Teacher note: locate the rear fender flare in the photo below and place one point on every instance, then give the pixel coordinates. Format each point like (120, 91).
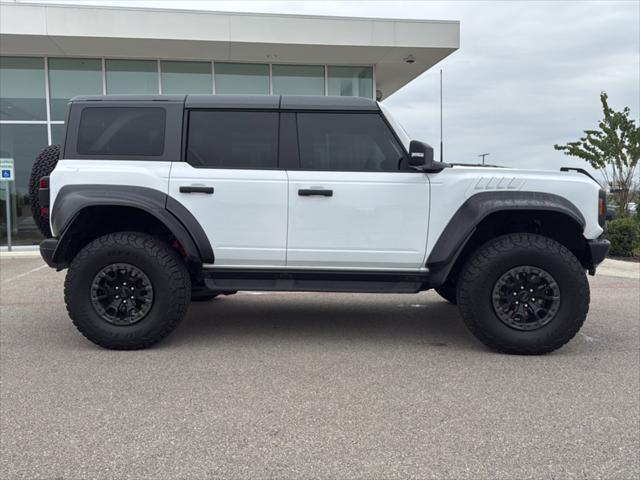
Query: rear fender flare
(72, 199)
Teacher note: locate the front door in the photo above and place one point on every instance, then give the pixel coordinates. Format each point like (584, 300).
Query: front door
(231, 185)
(353, 204)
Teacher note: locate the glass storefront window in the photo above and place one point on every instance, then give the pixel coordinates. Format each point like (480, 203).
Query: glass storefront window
(22, 143)
(22, 89)
(57, 133)
(242, 78)
(298, 79)
(132, 77)
(350, 81)
(186, 77)
(69, 77)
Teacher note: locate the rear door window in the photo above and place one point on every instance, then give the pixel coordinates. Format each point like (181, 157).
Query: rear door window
(233, 139)
(122, 131)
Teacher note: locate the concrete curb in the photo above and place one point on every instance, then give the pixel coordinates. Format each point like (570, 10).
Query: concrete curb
(619, 268)
(19, 253)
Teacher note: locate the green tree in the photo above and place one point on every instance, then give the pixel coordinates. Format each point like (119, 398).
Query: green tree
(614, 149)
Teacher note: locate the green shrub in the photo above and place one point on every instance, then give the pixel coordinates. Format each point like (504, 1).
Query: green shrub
(624, 234)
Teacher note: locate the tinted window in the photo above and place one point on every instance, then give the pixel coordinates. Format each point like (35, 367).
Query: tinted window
(121, 131)
(227, 139)
(347, 141)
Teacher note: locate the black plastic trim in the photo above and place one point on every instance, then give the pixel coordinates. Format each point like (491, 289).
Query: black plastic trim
(196, 189)
(314, 280)
(194, 228)
(463, 224)
(48, 249)
(598, 250)
(72, 199)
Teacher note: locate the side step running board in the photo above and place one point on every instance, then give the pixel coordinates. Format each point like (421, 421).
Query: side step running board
(314, 280)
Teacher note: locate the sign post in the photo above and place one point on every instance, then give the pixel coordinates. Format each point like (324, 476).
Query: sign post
(7, 175)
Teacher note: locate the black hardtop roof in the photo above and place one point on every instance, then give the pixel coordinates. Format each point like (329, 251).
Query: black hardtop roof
(261, 102)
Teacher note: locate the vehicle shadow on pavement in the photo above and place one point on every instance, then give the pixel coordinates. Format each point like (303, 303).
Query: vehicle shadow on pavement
(414, 320)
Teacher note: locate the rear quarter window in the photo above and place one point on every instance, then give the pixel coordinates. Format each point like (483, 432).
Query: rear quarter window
(122, 131)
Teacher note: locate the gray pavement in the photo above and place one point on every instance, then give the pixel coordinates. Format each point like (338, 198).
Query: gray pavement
(314, 386)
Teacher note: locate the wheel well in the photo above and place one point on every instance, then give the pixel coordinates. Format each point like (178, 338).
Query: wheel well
(558, 226)
(95, 221)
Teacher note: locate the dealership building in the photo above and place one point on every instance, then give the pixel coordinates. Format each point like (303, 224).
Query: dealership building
(50, 53)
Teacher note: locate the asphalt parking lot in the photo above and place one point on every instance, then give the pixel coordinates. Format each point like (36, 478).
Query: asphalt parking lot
(314, 386)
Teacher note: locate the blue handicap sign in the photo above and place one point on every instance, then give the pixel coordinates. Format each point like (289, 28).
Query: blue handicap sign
(6, 173)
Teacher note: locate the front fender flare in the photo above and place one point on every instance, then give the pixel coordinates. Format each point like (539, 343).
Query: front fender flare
(475, 209)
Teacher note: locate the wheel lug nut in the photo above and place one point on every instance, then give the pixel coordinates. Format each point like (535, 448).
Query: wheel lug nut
(531, 290)
(521, 287)
(117, 296)
(514, 294)
(117, 288)
(526, 305)
(132, 297)
(517, 302)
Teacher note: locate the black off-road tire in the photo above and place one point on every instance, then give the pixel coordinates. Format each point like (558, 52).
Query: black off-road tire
(43, 165)
(448, 291)
(158, 261)
(498, 256)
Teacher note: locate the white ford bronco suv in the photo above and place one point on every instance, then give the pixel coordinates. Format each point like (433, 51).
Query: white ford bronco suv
(154, 201)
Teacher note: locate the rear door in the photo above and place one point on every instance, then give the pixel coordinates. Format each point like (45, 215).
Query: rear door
(353, 202)
(231, 183)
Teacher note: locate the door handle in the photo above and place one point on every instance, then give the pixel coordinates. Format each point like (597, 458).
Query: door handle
(196, 189)
(308, 192)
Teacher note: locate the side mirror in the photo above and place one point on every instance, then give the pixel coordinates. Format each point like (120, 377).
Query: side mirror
(420, 154)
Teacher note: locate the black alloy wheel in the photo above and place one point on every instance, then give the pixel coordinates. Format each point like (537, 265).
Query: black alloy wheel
(121, 294)
(526, 298)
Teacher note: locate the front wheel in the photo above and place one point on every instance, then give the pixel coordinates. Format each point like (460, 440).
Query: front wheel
(448, 291)
(127, 290)
(523, 294)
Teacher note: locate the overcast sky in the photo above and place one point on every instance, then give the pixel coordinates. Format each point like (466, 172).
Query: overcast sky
(527, 74)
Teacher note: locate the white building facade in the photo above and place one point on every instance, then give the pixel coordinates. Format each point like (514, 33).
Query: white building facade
(50, 53)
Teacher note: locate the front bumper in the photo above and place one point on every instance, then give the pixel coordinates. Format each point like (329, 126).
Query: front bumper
(598, 249)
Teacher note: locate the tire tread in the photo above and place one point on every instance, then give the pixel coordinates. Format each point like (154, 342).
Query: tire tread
(168, 261)
(474, 271)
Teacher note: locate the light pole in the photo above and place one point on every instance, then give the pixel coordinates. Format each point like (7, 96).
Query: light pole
(483, 155)
(441, 151)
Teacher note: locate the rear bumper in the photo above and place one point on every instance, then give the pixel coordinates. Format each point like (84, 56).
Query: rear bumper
(598, 250)
(48, 249)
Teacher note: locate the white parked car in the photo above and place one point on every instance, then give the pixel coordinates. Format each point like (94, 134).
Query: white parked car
(154, 201)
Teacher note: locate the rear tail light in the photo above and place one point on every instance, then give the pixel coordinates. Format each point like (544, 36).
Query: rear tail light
(44, 212)
(44, 182)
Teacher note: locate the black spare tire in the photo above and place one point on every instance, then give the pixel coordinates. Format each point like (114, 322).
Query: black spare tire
(43, 165)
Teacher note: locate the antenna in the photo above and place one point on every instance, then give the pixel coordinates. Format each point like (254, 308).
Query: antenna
(441, 152)
(483, 155)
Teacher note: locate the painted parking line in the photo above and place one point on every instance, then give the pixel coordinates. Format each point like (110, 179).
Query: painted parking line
(11, 279)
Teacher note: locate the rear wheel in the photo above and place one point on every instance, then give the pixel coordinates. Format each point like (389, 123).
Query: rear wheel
(523, 294)
(43, 165)
(127, 290)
